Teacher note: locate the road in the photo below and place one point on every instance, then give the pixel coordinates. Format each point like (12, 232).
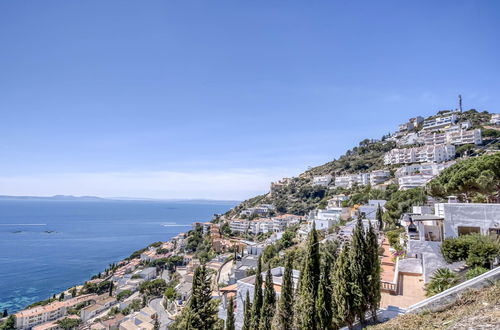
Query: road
(157, 305)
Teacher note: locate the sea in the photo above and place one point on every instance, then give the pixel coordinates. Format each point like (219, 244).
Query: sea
(47, 246)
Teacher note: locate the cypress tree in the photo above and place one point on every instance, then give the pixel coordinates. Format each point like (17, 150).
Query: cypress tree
(247, 313)
(373, 268)
(324, 300)
(230, 315)
(284, 314)
(308, 286)
(379, 218)
(5, 313)
(257, 298)
(269, 303)
(111, 289)
(360, 276)
(343, 300)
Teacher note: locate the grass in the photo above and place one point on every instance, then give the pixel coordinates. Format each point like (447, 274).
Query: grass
(474, 309)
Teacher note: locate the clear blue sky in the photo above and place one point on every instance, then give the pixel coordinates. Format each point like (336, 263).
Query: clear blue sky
(213, 99)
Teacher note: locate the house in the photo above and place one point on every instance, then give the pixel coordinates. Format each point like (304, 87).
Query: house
(248, 284)
(325, 219)
(369, 211)
(242, 267)
(102, 303)
(495, 119)
(414, 181)
(380, 176)
(337, 200)
(53, 325)
(440, 121)
(282, 221)
(322, 180)
(148, 273)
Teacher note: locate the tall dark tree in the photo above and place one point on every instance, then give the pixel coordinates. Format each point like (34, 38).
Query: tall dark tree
(308, 286)
(283, 319)
(268, 303)
(257, 298)
(201, 312)
(324, 306)
(373, 268)
(10, 323)
(343, 299)
(378, 216)
(5, 313)
(247, 313)
(230, 315)
(111, 285)
(360, 289)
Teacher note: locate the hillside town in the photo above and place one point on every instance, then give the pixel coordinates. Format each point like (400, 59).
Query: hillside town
(400, 197)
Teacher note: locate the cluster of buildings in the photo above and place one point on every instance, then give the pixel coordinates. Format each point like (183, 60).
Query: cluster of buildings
(264, 225)
(373, 178)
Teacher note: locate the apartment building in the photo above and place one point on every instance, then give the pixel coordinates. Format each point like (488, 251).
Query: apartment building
(282, 221)
(429, 153)
(380, 176)
(495, 119)
(362, 179)
(454, 137)
(424, 168)
(322, 180)
(239, 226)
(337, 200)
(414, 181)
(28, 318)
(440, 121)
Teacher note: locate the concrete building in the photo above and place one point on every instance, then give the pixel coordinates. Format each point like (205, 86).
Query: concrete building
(440, 121)
(432, 169)
(28, 318)
(454, 137)
(429, 153)
(380, 176)
(325, 219)
(282, 221)
(337, 200)
(323, 180)
(369, 211)
(495, 119)
(414, 181)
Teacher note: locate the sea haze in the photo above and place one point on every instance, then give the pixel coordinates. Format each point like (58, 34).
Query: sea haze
(50, 245)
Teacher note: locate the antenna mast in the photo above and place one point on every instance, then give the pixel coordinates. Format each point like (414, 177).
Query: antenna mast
(460, 102)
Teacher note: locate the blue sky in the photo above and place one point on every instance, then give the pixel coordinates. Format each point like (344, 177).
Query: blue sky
(214, 99)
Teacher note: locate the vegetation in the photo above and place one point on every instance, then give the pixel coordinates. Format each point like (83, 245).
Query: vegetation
(69, 323)
(475, 249)
(199, 244)
(98, 288)
(401, 202)
(247, 313)
(468, 178)
(257, 298)
(230, 315)
(441, 280)
(201, 311)
(474, 272)
(473, 308)
(153, 288)
(268, 303)
(123, 295)
(9, 323)
(283, 319)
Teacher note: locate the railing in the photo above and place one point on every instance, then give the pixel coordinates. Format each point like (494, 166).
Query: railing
(388, 286)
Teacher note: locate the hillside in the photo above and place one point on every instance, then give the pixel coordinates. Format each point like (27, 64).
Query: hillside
(476, 307)
(298, 195)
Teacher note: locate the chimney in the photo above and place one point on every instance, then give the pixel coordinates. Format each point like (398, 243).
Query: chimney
(452, 199)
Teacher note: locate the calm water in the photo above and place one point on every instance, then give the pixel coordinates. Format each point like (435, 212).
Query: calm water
(87, 236)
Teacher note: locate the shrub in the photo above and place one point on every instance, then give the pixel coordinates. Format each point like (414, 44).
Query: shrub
(474, 272)
(475, 249)
(441, 280)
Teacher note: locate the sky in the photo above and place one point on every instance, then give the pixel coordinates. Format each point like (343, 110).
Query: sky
(216, 99)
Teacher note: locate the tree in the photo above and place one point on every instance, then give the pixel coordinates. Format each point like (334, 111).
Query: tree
(247, 313)
(230, 315)
(155, 287)
(359, 272)
(9, 324)
(379, 215)
(69, 323)
(342, 294)
(268, 303)
(111, 289)
(324, 300)
(257, 298)
(61, 296)
(201, 311)
(5, 313)
(308, 284)
(373, 270)
(284, 314)
(441, 280)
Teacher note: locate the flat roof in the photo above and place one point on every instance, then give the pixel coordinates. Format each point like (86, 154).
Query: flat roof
(426, 217)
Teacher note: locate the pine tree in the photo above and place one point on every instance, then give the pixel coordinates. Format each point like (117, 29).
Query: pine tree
(360, 275)
(343, 300)
(201, 311)
(324, 300)
(230, 315)
(378, 216)
(5, 313)
(268, 303)
(373, 268)
(257, 298)
(247, 313)
(308, 286)
(284, 314)
(111, 289)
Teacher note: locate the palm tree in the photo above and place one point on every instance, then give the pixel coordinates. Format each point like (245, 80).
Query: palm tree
(441, 280)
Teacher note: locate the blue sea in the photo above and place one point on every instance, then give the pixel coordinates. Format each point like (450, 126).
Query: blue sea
(47, 246)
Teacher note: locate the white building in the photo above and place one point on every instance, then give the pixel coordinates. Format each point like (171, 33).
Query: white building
(369, 211)
(380, 176)
(325, 219)
(424, 168)
(495, 119)
(454, 137)
(282, 221)
(414, 181)
(429, 153)
(337, 200)
(362, 179)
(323, 180)
(440, 121)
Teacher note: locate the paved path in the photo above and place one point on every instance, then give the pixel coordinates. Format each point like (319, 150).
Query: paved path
(157, 305)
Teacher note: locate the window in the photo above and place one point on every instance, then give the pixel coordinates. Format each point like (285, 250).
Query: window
(468, 230)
